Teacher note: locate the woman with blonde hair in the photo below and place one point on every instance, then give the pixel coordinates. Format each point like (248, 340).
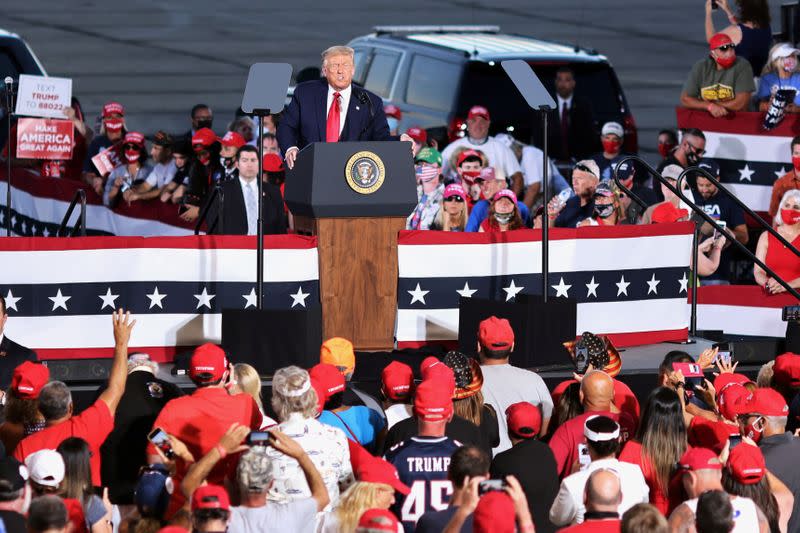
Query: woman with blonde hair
(608, 209)
(247, 380)
(452, 215)
(468, 398)
(780, 72)
(774, 254)
(375, 489)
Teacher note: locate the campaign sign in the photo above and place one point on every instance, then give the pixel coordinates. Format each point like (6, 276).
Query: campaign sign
(41, 138)
(43, 96)
(106, 160)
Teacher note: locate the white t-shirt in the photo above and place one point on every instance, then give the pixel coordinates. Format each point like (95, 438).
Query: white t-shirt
(397, 413)
(298, 515)
(504, 385)
(325, 445)
(162, 174)
(745, 516)
(568, 507)
(532, 166)
(499, 155)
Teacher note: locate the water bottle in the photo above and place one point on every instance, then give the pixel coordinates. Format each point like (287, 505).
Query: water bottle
(561, 198)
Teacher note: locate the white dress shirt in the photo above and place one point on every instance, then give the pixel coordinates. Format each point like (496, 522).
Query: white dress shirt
(244, 183)
(345, 103)
(562, 101)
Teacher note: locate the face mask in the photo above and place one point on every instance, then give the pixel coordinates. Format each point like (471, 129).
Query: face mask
(470, 175)
(692, 158)
(503, 218)
(114, 124)
(204, 123)
(796, 163)
(790, 216)
(204, 159)
(226, 162)
(727, 61)
(604, 211)
(393, 123)
(611, 147)
(132, 156)
(665, 148)
(789, 63)
(754, 430)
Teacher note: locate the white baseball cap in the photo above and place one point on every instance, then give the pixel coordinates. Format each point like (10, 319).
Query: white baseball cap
(783, 50)
(672, 172)
(613, 128)
(46, 467)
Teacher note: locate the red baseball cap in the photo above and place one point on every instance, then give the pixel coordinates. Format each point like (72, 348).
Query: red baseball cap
(329, 377)
(786, 370)
(717, 40)
(765, 402)
(173, 529)
(699, 459)
(524, 419)
(725, 379)
(495, 333)
(232, 138)
(272, 163)
(478, 111)
(377, 520)
(710, 434)
(377, 470)
(505, 193)
(208, 363)
(113, 108)
(134, 137)
(729, 398)
(667, 212)
(746, 464)
(391, 110)
(319, 388)
(418, 134)
(433, 368)
(494, 513)
(397, 380)
(28, 380)
(433, 400)
(454, 189)
(210, 497)
(463, 156)
(203, 137)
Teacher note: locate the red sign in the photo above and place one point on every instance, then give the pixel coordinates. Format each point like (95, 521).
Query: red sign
(106, 160)
(42, 138)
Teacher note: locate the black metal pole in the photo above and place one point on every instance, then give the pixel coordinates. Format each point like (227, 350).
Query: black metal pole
(695, 281)
(545, 198)
(9, 155)
(261, 113)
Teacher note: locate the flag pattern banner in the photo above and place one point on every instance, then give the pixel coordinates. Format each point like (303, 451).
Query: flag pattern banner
(38, 205)
(750, 158)
(742, 310)
(635, 298)
(60, 293)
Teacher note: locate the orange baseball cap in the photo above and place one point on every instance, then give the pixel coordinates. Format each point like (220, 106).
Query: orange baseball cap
(338, 351)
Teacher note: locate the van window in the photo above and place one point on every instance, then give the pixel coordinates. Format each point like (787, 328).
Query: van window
(432, 83)
(8, 66)
(360, 58)
(381, 72)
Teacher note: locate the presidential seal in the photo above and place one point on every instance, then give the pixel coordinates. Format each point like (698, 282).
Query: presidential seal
(365, 172)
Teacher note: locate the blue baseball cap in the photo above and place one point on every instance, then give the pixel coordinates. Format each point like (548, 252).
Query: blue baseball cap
(709, 165)
(153, 491)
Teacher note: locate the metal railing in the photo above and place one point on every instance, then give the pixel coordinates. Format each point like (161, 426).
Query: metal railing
(204, 213)
(80, 224)
(696, 242)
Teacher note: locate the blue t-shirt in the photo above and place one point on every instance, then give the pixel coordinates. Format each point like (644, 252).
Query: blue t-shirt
(607, 166)
(771, 82)
(481, 210)
(422, 464)
(364, 424)
(573, 212)
(721, 207)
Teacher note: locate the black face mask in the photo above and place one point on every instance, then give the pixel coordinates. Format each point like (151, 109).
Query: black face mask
(604, 211)
(227, 162)
(692, 158)
(204, 123)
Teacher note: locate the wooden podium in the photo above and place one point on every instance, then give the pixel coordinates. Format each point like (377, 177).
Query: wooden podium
(355, 198)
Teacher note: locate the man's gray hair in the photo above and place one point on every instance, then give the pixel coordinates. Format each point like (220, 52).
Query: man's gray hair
(55, 400)
(292, 393)
(337, 51)
(255, 471)
(777, 423)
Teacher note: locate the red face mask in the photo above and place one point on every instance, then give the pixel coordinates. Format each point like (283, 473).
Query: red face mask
(132, 156)
(114, 124)
(470, 175)
(727, 61)
(204, 157)
(755, 430)
(665, 148)
(796, 163)
(611, 147)
(790, 216)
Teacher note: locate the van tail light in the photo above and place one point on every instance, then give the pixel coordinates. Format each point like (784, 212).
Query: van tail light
(456, 129)
(631, 143)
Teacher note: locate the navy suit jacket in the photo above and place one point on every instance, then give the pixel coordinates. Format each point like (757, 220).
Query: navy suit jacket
(304, 120)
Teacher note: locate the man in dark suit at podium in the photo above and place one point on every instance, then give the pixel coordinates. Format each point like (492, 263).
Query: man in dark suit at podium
(332, 109)
(240, 204)
(11, 354)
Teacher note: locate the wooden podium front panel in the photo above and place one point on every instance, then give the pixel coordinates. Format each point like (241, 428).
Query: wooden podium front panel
(358, 279)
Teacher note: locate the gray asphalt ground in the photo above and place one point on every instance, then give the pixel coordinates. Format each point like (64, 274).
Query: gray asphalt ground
(161, 57)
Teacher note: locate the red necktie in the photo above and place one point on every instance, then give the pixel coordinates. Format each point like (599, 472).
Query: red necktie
(565, 131)
(332, 129)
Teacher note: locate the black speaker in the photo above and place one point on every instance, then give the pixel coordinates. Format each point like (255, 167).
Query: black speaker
(539, 328)
(272, 339)
(79, 370)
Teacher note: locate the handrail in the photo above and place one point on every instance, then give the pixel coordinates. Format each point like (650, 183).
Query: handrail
(763, 223)
(80, 224)
(724, 233)
(204, 212)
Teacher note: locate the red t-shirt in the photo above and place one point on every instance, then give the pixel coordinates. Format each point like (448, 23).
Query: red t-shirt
(595, 526)
(624, 398)
(569, 435)
(632, 453)
(199, 421)
(93, 425)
